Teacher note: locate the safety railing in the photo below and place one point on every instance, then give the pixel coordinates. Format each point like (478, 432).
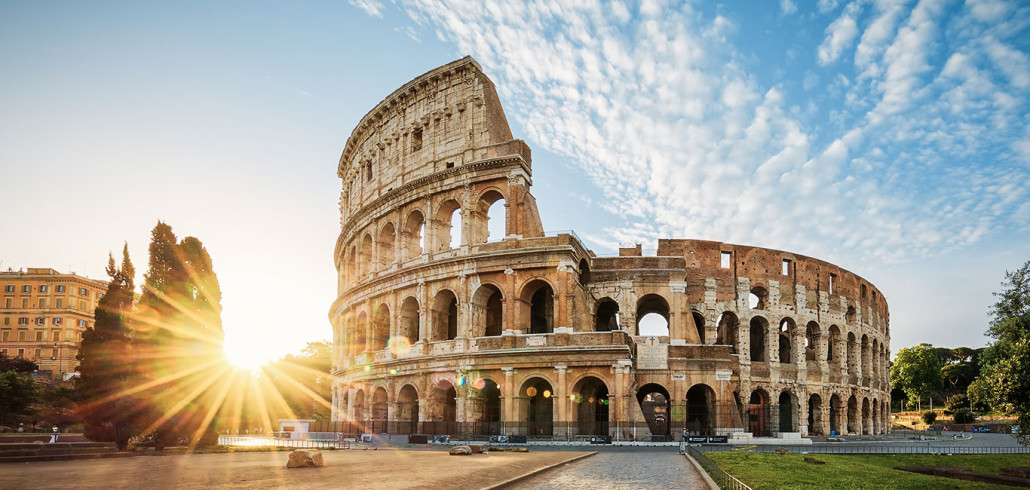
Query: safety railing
(867, 448)
(721, 477)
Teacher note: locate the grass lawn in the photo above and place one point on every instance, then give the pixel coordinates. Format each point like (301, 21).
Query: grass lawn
(763, 470)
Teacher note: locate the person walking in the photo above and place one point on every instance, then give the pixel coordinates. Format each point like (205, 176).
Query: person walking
(683, 442)
(53, 437)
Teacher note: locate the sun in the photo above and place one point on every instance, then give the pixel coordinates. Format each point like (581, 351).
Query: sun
(244, 358)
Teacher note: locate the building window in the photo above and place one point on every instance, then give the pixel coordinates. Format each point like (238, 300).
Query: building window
(23, 335)
(56, 334)
(7, 303)
(82, 323)
(60, 288)
(58, 320)
(53, 353)
(3, 352)
(727, 258)
(39, 353)
(7, 320)
(39, 335)
(6, 336)
(42, 288)
(25, 303)
(83, 292)
(21, 352)
(42, 303)
(833, 279)
(9, 288)
(368, 171)
(416, 140)
(59, 303)
(23, 321)
(40, 320)
(26, 288)
(786, 267)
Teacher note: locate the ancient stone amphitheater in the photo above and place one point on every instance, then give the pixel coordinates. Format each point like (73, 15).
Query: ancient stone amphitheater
(441, 327)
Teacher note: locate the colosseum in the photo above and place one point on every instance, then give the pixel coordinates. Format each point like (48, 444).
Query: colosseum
(442, 327)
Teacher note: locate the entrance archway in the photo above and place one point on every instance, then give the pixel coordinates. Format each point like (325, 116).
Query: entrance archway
(815, 414)
(786, 409)
(836, 413)
(590, 402)
(443, 410)
(379, 411)
(486, 407)
(758, 414)
(539, 407)
(701, 410)
(654, 403)
(407, 411)
(852, 415)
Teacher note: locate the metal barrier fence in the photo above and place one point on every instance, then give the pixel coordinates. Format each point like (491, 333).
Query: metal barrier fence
(871, 449)
(259, 441)
(721, 477)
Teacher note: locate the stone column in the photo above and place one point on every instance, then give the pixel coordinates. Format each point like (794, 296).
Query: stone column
(508, 397)
(561, 402)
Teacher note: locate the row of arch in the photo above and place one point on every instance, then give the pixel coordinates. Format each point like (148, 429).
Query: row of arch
(386, 244)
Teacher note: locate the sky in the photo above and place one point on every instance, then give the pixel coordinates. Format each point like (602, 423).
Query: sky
(891, 138)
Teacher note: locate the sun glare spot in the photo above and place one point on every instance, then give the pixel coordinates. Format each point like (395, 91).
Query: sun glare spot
(244, 358)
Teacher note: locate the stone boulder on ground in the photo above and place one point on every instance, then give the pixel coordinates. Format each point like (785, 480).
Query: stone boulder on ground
(460, 451)
(477, 448)
(305, 458)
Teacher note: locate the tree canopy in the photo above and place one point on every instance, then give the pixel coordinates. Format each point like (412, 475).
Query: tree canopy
(917, 371)
(1005, 366)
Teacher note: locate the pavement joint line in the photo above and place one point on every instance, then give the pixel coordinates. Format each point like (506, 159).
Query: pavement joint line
(704, 474)
(512, 481)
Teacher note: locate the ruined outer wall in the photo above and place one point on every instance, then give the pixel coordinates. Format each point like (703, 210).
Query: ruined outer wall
(417, 314)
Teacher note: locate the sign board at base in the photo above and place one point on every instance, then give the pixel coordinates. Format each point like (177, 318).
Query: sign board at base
(723, 375)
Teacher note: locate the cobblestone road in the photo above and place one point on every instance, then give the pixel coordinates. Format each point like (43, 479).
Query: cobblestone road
(636, 469)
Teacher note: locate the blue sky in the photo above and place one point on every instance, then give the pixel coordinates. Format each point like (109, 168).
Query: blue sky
(891, 138)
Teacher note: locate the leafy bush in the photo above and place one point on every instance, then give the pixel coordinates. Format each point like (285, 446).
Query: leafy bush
(929, 417)
(964, 416)
(956, 402)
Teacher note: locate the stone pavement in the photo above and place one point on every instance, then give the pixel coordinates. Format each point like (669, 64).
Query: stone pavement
(641, 468)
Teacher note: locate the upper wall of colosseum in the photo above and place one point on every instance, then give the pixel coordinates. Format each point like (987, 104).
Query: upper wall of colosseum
(445, 118)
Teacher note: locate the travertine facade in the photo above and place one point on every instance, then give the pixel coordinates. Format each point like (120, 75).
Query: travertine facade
(44, 314)
(531, 333)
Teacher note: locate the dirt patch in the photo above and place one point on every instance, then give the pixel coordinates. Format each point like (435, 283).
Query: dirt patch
(347, 468)
(960, 473)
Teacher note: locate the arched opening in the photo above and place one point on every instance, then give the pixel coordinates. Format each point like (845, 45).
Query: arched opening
(758, 414)
(380, 327)
(590, 399)
(758, 298)
(852, 415)
(867, 416)
(815, 415)
(445, 316)
(487, 306)
(875, 422)
(836, 414)
(443, 410)
(699, 325)
(607, 318)
(407, 411)
(832, 354)
(874, 367)
(812, 341)
(654, 403)
(350, 260)
(409, 324)
(359, 410)
(540, 299)
(853, 357)
(540, 407)
(414, 235)
(850, 315)
(448, 226)
(701, 410)
(365, 256)
(758, 328)
(786, 341)
(653, 316)
(584, 271)
(361, 334)
(485, 398)
(379, 411)
(866, 371)
(726, 331)
(492, 210)
(387, 242)
(786, 409)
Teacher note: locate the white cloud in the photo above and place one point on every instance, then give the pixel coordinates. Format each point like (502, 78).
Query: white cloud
(787, 7)
(371, 7)
(840, 34)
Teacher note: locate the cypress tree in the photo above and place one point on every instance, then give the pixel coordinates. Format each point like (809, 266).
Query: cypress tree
(106, 362)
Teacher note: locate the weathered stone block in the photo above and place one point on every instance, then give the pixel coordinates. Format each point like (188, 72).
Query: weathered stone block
(460, 451)
(305, 458)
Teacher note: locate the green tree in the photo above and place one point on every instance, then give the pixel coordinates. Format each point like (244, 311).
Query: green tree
(180, 326)
(1006, 363)
(107, 363)
(917, 371)
(304, 380)
(17, 391)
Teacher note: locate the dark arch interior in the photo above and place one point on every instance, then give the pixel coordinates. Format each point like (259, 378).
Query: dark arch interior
(592, 407)
(654, 402)
(541, 310)
(607, 316)
(786, 410)
(700, 410)
(758, 414)
(541, 408)
(699, 323)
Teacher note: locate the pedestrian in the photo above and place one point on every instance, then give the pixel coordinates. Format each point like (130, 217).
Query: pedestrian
(683, 442)
(53, 437)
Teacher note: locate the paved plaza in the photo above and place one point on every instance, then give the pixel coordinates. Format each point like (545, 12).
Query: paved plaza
(343, 469)
(640, 468)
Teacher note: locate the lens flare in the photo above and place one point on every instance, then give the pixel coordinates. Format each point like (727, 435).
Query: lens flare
(479, 384)
(547, 393)
(399, 345)
(531, 391)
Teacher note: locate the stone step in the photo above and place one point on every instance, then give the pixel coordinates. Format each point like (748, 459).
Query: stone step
(63, 457)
